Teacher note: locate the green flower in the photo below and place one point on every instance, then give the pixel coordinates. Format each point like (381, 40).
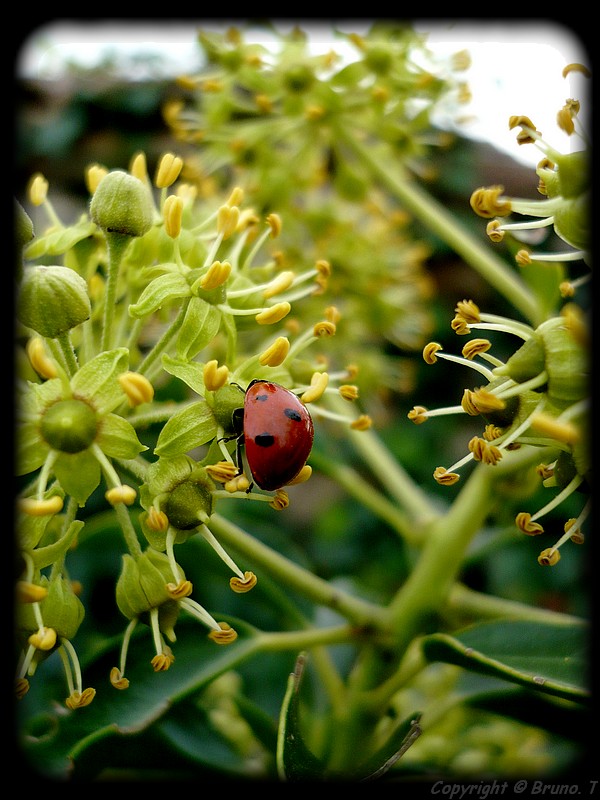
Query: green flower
(69, 431)
(564, 180)
(538, 398)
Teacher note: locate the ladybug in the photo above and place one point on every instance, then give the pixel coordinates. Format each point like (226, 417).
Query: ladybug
(277, 434)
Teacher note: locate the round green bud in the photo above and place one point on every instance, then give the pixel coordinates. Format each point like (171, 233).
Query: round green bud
(572, 221)
(188, 503)
(526, 362)
(142, 584)
(566, 361)
(122, 204)
(69, 426)
(52, 300)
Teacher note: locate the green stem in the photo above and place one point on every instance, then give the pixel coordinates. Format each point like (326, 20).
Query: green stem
(149, 361)
(445, 225)
(116, 243)
(388, 471)
(64, 342)
(369, 497)
(296, 578)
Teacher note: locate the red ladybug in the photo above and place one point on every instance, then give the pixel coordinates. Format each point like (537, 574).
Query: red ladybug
(277, 434)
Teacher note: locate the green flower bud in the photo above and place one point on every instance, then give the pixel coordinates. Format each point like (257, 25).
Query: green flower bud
(189, 503)
(226, 401)
(61, 609)
(573, 173)
(142, 584)
(23, 226)
(122, 204)
(566, 362)
(526, 362)
(572, 221)
(69, 426)
(52, 300)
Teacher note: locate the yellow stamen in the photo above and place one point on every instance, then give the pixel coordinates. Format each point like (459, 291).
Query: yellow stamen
(179, 590)
(445, 478)
(475, 347)
(363, 423)
(80, 699)
(481, 401)
(38, 189)
(172, 215)
(524, 524)
(276, 353)
(418, 415)
(494, 231)
(264, 103)
(489, 202)
(523, 258)
(274, 222)
(576, 68)
(137, 387)
(279, 284)
(238, 484)
(138, 167)
(280, 501)
(236, 196)
(168, 170)
(157, 520)
(469, 311)
(216, 276)
(492, 432)
(302, 476)
(318, 384)
(482, 451)
(27, 592)
(429, 352)
(549, 557)
(227, 220)
(41, 508)
(215, 376)
(241, 586)
(93, 175)
(21, 687)
(162, 661)
(226, 635)
(550, 426)
(273, 314)
(117, 679)
(348, 392)
(121, 494)
(39, 358)
(223, 471)
(43, 639)
(324, 328)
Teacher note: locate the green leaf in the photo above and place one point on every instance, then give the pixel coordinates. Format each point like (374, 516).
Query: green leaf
(117, 438)
(78, 474)
(193, 426)
(190, 372)
(158, 292)
(31, 450)
(97, 380)
(199, 328)
(60, 240)
(295, 762)
(547, 658)
(384, 759)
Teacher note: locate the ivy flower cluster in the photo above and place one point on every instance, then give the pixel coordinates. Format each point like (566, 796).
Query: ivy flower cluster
(564, 181)
(288, 124)
(153, 285)
(539, 397)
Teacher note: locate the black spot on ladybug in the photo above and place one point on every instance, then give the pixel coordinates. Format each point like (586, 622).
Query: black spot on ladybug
(265, 440)
(292, 414)
(261, 397)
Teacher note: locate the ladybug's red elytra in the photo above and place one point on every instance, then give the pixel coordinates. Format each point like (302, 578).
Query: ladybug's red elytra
(277, 434)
